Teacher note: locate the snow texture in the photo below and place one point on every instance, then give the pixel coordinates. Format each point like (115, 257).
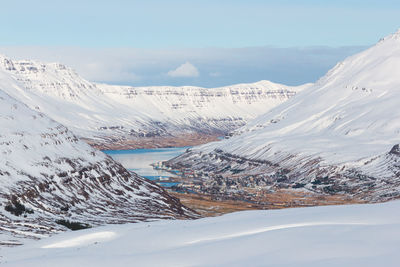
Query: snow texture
(352, 235)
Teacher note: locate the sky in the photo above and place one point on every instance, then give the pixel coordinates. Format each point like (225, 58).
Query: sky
(206, 43)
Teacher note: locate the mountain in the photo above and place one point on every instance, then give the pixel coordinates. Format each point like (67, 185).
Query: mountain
(347, 235)
(339, 136)
(49, 177)
(110, 115)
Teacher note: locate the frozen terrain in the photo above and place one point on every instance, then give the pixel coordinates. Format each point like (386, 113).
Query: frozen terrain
(351, 235)
(48, 174)
(101, 111)
(339, 136)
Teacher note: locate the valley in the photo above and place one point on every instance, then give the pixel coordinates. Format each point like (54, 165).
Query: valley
(305, 152)
(339, 137)
(282, 146)
(200, 133)
(187, 153)
(211, 195)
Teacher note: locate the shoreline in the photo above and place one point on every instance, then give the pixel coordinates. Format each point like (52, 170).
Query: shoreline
(209, 205)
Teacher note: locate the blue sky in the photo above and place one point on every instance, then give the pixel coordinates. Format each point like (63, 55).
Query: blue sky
(164, 28)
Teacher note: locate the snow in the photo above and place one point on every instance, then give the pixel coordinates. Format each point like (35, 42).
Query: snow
(350, 235)
(47, 169)
(82, 240)
(350, 114)
(342, 128)
(90, 109)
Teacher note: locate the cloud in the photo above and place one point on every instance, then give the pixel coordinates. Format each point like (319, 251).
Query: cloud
(185, 70)
(221, 66)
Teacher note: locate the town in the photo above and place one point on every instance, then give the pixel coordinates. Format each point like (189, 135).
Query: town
(252, 191)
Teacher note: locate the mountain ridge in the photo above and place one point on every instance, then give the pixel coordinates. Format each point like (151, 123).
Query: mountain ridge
(103, 112)
(334, 137)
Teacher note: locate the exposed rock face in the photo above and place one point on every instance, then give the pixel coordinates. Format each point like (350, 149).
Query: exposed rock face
(339, 136)
(48, 174)
(108, 113)
(395, 150)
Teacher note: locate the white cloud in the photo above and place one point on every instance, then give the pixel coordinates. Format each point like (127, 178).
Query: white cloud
(185, 70)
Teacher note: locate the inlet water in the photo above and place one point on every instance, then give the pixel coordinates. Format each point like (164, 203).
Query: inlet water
(140, 160)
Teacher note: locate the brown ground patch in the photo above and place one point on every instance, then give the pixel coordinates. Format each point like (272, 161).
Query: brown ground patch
(208, 206)
(153, 142)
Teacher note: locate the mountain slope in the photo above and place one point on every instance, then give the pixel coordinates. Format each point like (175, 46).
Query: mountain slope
(338, 136)
(102, 112)
(48, 174)
(349, 235)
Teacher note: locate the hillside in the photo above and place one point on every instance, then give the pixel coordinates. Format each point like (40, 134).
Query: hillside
(47, 174)
(339, 136)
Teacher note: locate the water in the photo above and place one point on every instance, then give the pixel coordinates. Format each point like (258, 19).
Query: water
(139, 160)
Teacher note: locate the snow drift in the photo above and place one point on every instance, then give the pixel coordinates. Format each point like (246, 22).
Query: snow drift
(350, 235)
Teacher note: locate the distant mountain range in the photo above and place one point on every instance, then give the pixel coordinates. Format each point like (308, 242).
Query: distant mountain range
(338, 136)
(107, 113)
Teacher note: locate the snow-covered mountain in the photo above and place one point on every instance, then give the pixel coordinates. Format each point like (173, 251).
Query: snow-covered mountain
(349, 235)
(100, 111)
(338, 136)
(47, 174)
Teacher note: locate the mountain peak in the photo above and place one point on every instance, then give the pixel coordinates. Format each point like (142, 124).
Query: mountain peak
(395, 150)
(394, 36)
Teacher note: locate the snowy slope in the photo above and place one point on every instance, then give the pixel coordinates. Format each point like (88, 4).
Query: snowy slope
(352, 235)
(47, 173)
(343, 129)
(96, 110)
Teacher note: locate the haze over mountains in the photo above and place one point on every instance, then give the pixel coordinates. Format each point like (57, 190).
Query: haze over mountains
(338, 136)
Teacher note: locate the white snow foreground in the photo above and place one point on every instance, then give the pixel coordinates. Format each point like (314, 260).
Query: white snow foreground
(48, 174)
(341, 134)
(351, 235)
(96, 110)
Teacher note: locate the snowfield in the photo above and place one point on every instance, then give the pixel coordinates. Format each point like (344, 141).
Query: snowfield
(352, 235)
